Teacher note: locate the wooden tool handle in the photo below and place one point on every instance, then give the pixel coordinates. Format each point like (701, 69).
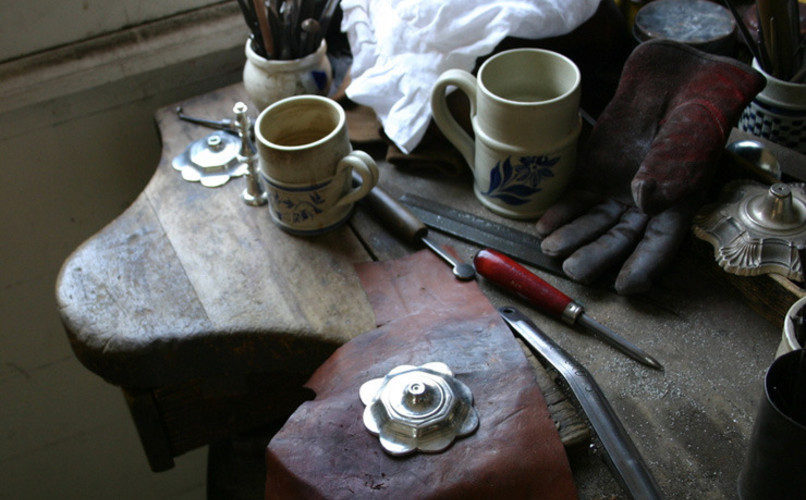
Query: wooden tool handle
(513, 277)
(395, 216)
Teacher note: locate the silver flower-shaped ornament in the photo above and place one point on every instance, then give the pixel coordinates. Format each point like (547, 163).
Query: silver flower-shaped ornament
(418, 408)
(211, 161)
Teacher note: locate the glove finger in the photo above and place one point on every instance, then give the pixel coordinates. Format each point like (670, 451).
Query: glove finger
(582, 230)
(611, 248)
(662, 239)
(571, 206)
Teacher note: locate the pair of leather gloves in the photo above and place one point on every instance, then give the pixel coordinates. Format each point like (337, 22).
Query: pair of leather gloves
(648, 163)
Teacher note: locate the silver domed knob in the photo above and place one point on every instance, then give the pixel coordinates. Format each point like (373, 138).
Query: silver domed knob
(418, 408)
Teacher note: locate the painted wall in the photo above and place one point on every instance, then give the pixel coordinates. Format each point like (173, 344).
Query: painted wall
(71, 162)
(36, 25)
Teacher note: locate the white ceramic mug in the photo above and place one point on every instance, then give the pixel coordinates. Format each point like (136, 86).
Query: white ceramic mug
(524, 109)
(789, 337)
(306, 163)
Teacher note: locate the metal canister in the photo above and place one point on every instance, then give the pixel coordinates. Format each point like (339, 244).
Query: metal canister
(699, 23)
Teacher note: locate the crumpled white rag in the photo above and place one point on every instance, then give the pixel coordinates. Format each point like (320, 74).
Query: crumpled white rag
(400, 47)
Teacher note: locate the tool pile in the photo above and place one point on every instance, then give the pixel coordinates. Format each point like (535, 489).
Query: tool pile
(287, 29)
(500, 270)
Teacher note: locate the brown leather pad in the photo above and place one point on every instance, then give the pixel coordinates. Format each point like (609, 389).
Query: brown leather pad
(324, 450)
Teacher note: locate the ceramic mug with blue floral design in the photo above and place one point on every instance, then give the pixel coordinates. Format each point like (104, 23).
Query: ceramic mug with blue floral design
(306, 163)
(524, 110)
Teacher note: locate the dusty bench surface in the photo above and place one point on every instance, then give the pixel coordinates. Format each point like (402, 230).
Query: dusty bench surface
(191, 283)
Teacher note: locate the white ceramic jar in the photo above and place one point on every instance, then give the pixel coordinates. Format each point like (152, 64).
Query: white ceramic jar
(266, 81)
(778, 113)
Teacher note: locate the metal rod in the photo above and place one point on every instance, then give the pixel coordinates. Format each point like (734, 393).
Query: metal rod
(617, 341)
(748, 39)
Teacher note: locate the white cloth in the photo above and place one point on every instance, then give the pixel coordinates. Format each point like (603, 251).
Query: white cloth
(400, 47)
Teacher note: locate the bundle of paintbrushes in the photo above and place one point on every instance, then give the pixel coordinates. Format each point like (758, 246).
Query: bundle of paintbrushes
(777, 46)
(287, 29)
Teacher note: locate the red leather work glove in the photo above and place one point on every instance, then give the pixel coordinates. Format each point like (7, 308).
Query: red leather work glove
(647, 164)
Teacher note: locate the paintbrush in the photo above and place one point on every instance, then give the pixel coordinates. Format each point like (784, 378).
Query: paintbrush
(779, 24)
(265, 29)
(746, 36)
(252, 23)
(327, 14)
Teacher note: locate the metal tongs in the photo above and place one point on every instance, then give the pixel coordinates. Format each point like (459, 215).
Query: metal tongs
(622, 456)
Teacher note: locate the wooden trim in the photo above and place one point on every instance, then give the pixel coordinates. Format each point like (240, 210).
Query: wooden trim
(126, 53)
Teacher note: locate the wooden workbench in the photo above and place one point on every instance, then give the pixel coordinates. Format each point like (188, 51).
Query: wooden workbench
(193, 302)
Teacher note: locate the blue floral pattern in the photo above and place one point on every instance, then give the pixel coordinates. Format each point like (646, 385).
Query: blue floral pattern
(516, 184)
(296, 211)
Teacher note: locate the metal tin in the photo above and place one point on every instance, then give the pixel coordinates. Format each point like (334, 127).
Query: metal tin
(757, 229)
(418, 408)
(698, 23)
(212, 160)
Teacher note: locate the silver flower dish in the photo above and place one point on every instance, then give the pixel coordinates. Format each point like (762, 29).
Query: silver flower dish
(418, 409)
(212, 160)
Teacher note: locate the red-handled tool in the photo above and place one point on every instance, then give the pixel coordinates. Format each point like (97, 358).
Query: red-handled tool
(513, 277)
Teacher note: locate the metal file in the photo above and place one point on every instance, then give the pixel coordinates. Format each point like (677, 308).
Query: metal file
(517, 244)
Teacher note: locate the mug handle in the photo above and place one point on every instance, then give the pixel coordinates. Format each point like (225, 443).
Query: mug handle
(366, 168)
(465, 82)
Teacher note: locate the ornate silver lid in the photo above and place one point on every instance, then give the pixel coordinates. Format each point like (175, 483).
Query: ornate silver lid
(418, 408)
(212, 160)
(757, 229)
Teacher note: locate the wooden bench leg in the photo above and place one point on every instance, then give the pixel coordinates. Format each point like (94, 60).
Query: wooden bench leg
(236, 466)
(174, 420)
(148, 422)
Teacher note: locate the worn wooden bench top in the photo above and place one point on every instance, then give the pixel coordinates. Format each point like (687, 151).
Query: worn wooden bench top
(191, 283)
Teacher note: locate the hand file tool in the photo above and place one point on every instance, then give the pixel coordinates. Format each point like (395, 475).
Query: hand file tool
(504, 272)
(485, 233)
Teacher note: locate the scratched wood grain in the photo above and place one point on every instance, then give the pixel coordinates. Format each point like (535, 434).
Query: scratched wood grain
(190, 281)
(191, 289)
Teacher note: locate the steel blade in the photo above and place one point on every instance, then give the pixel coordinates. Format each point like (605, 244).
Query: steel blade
(617, 341)
(621, 453)
(517, 244)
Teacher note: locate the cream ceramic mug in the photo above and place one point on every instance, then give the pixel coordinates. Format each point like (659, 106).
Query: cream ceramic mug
(306, 163)
(524, 109)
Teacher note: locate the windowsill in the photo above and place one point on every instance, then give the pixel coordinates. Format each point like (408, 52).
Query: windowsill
(119, 68)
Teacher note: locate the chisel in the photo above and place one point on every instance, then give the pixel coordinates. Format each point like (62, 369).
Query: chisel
(513, 277)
